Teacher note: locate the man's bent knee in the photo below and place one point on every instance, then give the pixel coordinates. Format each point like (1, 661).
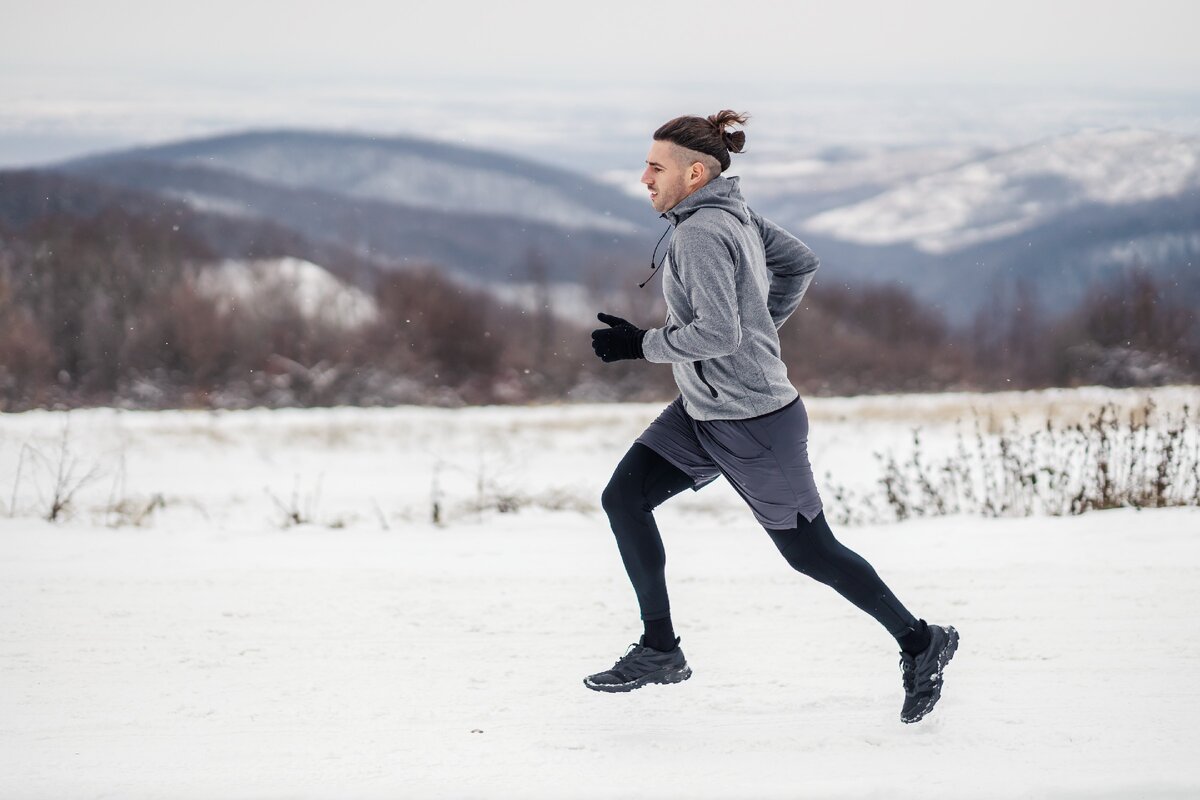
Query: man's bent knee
(616, 496)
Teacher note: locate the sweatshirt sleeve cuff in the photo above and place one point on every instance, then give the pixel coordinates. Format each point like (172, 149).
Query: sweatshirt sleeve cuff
(646, 346)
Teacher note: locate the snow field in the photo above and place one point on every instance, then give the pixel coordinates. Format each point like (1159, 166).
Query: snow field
(434, 663)
(214, 653)
(385, 468)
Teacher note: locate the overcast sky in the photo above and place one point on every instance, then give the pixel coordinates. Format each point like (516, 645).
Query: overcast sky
(1147, 44)
(154, 68)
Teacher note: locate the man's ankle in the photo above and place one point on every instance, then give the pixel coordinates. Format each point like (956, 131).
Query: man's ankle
(915, 638)
(659, 635)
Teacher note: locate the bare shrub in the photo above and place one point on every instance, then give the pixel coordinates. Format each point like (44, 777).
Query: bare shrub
(1142, 460)
(57, 477)
(298, 509)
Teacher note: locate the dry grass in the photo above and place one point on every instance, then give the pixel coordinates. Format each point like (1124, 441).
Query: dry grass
(1139, 456)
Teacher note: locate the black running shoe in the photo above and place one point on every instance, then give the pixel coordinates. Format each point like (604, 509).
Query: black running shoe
(922, 673)
(639, 666)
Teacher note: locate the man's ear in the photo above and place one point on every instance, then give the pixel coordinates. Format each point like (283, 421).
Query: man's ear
(696, 173)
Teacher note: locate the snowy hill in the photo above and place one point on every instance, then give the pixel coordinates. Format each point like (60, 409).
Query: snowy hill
(409, 172)
(32, 202)
(397, 201)
(308, 288)
(1005, 194)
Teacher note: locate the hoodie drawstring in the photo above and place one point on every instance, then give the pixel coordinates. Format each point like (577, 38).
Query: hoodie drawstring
(654, 257)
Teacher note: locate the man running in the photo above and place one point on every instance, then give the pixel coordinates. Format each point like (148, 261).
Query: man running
(731, 279)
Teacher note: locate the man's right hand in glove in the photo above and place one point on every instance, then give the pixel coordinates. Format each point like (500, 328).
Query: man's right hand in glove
(621, 340)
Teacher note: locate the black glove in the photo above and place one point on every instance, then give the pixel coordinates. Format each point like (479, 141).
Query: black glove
(622, 339)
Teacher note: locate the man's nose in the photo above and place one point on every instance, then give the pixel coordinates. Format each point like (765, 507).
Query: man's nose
(646, 179)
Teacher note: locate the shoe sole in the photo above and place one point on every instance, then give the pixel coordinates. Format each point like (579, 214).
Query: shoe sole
(944, 656)
(676, 675)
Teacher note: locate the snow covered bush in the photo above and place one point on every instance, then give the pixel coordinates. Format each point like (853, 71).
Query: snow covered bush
(1143, 459)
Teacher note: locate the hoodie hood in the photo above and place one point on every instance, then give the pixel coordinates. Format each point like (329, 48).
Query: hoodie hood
(720, 192)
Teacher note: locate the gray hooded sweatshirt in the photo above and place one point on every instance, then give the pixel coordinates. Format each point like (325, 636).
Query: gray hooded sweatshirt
(730, 279)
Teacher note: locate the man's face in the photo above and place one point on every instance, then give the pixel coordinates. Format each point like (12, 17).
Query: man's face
(667, 177)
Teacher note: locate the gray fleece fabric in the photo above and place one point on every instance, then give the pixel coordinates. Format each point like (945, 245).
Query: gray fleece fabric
(730, 279)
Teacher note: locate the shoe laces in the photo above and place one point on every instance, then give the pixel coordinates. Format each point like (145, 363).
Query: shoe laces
(633, 652)
(908, 673)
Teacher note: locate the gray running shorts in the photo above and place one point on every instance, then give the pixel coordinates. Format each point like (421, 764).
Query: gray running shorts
(764, 458)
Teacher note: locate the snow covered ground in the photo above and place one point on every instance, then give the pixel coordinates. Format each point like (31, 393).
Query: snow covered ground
(215, 651)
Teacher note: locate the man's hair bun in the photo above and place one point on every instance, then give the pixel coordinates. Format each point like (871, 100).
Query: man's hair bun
(707, 134)
(734, 140)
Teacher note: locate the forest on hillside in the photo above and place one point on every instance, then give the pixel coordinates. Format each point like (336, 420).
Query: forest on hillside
(114, 309)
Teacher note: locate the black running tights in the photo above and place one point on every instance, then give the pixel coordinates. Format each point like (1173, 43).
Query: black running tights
(644, 479)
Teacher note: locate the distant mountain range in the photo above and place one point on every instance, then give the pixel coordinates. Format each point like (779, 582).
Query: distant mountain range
(398, 200)
(958, 226)
(1061, 215)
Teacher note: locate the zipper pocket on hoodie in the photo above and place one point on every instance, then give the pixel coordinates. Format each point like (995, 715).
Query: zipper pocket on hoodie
(700, 372)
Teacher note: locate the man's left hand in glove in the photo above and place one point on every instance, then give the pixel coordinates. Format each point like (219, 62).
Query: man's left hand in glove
(622, 339)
